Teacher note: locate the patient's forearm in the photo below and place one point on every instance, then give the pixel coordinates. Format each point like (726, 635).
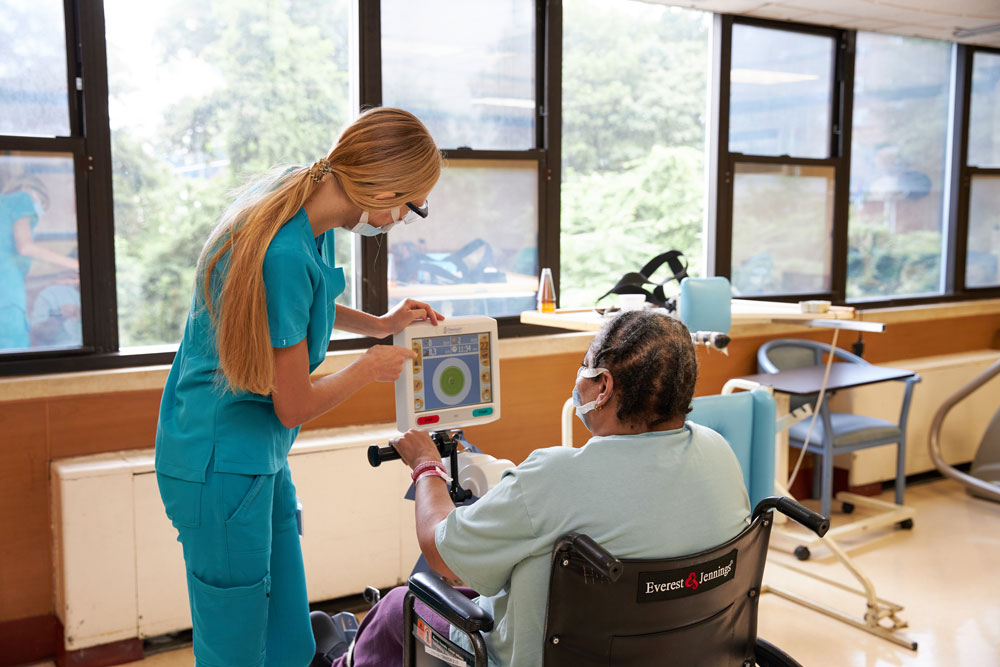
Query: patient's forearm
(433, 505)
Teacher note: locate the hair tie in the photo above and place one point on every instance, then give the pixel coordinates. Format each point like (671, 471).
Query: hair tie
(319, 169)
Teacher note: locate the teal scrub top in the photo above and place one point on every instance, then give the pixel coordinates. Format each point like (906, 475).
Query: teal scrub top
(199, 417)
(13, 267)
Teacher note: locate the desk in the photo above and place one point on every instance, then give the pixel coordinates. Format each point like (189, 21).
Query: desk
(807, 381)
(743, 311)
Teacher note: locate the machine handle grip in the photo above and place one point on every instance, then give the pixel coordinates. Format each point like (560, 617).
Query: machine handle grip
(376, 454)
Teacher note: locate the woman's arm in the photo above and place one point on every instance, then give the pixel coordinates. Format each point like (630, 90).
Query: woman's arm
(397, 319)
(27, 247)
(299, 398)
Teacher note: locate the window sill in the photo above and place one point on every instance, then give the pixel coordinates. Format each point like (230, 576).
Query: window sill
(152, 378)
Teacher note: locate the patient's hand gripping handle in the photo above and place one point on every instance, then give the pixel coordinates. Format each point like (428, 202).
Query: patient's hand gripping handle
(447, 446)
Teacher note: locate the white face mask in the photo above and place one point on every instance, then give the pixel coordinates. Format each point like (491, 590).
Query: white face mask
(366, 229)
(583, 408)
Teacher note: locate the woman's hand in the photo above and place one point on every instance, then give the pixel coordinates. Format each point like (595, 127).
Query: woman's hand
(407, 312)
(385, 362)
(415, 447)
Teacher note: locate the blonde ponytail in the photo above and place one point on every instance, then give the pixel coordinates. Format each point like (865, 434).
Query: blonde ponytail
(383, 150)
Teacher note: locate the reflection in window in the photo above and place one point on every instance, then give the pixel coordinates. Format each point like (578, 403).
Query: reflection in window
(33, 95)
(982, 258)
(467, 69)
(780, 92)
(984, 118)
(633, 133)
(39, 271)
(472, 259)
(901, 99)
(195, 107)
(782, 229)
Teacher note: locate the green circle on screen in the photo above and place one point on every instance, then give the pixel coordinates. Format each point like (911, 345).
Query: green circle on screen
(452, 381)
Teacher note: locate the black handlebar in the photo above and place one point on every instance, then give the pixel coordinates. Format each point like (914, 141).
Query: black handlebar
(447, 445)
(814, 521)
(376, 455)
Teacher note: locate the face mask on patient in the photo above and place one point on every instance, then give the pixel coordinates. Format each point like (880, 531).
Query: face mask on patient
(583, 408)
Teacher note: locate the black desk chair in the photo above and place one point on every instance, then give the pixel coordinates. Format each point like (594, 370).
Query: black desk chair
(836, 432)
(691, 610)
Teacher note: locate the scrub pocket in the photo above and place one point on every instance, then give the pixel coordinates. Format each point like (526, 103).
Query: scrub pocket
(181, 500)
(248, 501)
(230, 624)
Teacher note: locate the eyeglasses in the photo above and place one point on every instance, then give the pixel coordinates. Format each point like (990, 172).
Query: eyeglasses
(415, 213)
(586, 372)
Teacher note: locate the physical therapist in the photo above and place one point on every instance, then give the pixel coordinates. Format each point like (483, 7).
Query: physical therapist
(240, 385)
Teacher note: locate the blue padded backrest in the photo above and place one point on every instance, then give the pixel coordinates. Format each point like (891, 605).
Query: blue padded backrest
(705, 304)
(747, 421)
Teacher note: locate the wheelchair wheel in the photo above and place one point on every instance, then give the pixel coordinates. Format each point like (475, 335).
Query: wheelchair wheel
(769, 655)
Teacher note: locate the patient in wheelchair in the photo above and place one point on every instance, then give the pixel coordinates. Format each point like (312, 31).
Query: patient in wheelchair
(648, 484)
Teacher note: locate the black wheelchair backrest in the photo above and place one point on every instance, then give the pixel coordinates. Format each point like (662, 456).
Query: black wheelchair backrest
(691, 610)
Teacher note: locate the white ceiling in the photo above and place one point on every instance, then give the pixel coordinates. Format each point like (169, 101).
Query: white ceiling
(935, 19)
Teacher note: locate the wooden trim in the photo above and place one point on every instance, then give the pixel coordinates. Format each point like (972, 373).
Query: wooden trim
(27, 640)
(103, 655)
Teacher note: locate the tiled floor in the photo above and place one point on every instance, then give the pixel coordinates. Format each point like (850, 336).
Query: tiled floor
(945, 572)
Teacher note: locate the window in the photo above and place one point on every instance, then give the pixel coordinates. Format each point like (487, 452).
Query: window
(40, 305)
(778, 158)
(471, 79)
(780, 92)
(196, 108)
(782, 224)
(34, 98)
(982, 260)
(633, 141)
(898, 174)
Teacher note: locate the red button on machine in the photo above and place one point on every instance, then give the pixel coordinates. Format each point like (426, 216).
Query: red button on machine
(429, 419)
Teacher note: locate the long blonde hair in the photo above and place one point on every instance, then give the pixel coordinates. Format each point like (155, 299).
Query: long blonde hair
(383, 150)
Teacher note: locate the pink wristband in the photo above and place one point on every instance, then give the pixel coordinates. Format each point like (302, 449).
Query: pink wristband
(431, 472)
(426, 465)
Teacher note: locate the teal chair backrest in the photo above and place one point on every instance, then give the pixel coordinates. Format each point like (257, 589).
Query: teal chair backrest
(747, 421)
(705, 304)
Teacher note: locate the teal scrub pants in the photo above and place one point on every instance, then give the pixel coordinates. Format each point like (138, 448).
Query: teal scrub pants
(246, 581)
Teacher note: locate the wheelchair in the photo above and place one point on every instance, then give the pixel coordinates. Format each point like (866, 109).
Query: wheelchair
(690, 610)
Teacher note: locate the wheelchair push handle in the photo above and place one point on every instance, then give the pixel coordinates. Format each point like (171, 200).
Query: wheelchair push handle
(596, 556)
(814, 521)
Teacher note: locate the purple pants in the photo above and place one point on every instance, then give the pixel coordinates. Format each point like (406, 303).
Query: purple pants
(379, 642)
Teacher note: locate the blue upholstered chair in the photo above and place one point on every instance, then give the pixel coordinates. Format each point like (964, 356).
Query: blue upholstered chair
(835, 432)
(747, 421)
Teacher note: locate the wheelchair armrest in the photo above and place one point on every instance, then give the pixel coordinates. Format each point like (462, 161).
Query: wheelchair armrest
(454, 607)
(814, 521)
(597, 556)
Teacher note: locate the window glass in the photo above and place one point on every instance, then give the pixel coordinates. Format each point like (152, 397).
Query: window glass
(984, 119)
(201, 96)
(467, 69)
(782, 229)
(898, 171)
(33, 95)
(780, 92)
(477, 251)
(39, 271)
(982, 257)
(633, 138)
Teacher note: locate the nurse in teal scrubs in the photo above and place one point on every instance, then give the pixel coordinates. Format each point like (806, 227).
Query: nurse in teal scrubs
(240, 385)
